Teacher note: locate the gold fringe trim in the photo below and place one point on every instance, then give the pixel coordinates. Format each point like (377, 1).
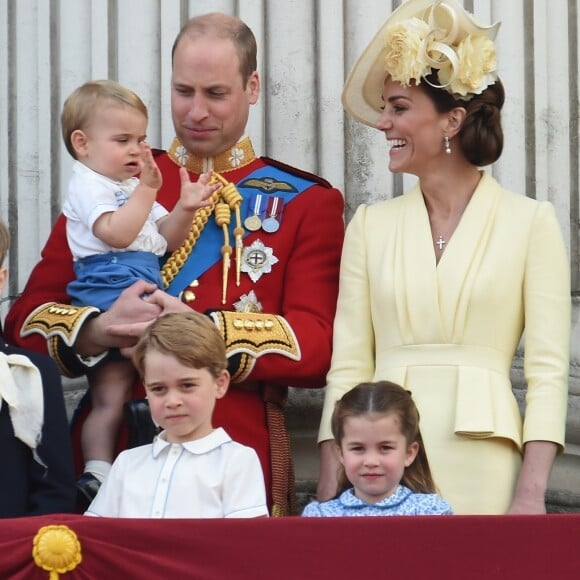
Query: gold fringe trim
(284, 502)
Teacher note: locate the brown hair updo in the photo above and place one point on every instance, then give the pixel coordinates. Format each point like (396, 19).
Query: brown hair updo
(481, 136)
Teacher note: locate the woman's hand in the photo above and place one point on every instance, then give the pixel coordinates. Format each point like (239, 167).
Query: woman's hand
(529, 497)
(329, 466)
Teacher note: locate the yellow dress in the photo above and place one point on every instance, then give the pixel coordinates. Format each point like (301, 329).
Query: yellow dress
(448, 332)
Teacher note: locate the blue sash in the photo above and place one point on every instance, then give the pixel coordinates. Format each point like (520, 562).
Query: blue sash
(264, 180)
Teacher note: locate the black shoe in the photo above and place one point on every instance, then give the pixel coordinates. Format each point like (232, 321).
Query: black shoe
(87, 487)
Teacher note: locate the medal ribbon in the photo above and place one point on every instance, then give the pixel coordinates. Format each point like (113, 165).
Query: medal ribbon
(211, 238)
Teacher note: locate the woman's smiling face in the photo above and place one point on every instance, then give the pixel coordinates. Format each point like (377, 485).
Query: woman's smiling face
(413, 127)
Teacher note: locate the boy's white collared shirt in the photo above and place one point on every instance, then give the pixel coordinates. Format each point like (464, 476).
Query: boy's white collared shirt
(212, 477)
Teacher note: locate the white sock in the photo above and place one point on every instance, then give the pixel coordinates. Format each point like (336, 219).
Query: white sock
(100, 469)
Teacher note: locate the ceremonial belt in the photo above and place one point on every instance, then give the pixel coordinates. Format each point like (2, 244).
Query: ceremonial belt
(267, 181)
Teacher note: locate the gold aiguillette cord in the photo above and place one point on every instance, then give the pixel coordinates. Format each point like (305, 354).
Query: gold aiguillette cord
(233, 198)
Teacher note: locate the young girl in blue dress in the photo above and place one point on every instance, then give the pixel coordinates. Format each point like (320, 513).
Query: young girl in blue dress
(384, 471)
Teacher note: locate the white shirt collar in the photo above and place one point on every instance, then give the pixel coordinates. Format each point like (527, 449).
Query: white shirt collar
(197, 447)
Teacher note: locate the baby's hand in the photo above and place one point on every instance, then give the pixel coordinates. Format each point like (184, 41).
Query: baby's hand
(150, 174)
(196, 194)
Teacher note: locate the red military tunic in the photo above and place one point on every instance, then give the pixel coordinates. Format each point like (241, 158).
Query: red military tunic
(299, 283)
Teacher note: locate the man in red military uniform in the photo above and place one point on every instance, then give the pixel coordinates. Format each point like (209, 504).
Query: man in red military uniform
(262, 261)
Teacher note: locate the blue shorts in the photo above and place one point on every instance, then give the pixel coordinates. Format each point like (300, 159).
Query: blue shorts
(101, 278)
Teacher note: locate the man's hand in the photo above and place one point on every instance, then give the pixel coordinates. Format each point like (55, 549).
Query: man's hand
(132, 307)
(130, 331)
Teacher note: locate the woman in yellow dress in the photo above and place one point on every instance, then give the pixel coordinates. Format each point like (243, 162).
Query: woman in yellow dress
(438, 285)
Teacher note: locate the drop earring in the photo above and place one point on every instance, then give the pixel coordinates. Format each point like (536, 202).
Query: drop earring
(447, 145)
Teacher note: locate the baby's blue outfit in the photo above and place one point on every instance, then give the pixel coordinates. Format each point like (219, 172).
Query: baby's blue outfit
(403, 502)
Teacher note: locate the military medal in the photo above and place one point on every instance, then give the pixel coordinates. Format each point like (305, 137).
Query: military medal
(271, 223)
(248, 303)
(258, 259)
(253, 222)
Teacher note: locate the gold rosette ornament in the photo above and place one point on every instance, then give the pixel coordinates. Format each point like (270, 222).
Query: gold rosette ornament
(57, 550)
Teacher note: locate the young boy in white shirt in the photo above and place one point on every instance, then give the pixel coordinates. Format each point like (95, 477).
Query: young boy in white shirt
(191, 470)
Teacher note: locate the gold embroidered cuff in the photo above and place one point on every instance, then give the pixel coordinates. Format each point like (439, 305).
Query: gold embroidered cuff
(245, 364)
(60, 324)
(255, 334)
(53, 319)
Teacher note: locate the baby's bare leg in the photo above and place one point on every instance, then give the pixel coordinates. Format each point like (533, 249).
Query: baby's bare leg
(110, 387)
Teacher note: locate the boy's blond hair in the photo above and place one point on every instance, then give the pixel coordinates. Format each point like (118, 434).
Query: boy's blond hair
(79, 108)
(4, 241)
(192, 338)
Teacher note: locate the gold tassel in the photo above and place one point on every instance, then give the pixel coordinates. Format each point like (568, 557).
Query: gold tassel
(222, 218)
(234, 199)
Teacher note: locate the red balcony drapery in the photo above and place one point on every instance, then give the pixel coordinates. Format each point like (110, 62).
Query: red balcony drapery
(462, 547)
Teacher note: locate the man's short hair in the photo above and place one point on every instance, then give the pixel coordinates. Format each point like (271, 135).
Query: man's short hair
(224, 26)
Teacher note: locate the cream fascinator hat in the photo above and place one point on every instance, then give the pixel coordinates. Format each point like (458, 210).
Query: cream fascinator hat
(419, 38)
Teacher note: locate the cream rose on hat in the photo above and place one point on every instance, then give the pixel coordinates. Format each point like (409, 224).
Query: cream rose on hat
(420, 38)
(476, 69)
(405, 50)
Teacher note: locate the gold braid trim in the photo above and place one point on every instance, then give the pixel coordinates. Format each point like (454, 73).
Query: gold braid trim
(222, 219)
(256, 334)
(53, 345)
(175, 262)
(59, 325)
(244, 368)
(53, 319)
(227, 194)
(240, 155)
(284, 502)
(234, 200)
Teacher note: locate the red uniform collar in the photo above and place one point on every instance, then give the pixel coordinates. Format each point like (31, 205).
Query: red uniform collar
(241, 154)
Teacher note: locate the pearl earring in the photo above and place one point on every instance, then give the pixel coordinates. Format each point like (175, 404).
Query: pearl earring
(447, 145)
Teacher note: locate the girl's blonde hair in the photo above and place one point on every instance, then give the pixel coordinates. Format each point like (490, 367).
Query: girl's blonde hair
(384, 397)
